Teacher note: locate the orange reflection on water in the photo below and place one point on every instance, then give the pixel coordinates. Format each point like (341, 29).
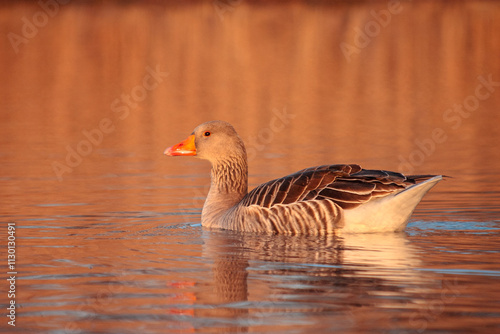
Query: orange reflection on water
(91, 100)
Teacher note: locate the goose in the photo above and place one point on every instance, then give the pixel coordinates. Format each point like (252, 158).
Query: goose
(328, 199)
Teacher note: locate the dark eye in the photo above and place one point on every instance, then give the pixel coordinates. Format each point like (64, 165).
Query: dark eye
(207, 133)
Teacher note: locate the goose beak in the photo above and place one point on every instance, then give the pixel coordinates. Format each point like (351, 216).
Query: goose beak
(185, 147)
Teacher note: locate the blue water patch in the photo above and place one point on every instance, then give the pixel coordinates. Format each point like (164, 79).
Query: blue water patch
(491, 273)
(473, 226)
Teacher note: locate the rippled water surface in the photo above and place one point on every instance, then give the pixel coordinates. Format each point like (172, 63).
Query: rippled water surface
(108, 234)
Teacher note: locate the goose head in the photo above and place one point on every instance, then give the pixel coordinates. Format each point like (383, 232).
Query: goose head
(215, 141)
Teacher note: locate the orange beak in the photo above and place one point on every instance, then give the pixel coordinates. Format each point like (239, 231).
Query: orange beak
(185, 147)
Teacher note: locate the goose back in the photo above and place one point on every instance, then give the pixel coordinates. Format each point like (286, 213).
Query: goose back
(346, 185)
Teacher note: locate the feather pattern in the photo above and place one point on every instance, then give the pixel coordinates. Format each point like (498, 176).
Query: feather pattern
(345, 185)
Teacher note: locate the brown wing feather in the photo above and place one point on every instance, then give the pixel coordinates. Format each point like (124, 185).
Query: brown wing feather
(346, 185)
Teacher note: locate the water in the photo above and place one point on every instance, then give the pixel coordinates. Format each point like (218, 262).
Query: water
(108, 235)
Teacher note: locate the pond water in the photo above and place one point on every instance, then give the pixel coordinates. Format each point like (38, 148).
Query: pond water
(107, 229)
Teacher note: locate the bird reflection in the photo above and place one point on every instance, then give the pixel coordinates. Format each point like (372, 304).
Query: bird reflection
(318, 273)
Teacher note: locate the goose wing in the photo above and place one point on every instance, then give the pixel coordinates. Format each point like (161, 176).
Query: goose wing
(346, 185)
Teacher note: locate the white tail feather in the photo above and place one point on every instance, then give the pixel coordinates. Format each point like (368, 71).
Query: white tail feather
(387, 214)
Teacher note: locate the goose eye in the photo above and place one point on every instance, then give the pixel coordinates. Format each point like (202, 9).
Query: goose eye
(207, 133)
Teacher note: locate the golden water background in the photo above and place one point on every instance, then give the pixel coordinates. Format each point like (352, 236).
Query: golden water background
(389, 85)
(242, 63)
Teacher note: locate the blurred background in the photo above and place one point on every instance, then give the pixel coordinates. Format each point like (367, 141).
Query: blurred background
(92, 92)
(98, 89)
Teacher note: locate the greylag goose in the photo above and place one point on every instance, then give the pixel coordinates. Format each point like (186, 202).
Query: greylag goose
(317, 200)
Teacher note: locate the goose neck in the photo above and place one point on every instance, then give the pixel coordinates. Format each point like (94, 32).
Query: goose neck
(230, 177)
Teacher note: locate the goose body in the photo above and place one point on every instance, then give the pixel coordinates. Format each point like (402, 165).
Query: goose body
(317, 200)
